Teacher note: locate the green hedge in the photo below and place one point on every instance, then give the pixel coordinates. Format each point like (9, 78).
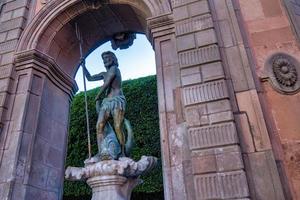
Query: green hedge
(141, 110)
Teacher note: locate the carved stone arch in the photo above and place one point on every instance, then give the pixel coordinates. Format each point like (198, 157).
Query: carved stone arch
(44, 84)
(45, 33)
(54, 9)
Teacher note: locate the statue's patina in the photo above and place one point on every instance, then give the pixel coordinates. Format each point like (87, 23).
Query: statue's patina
(111, 174)
(111, 141)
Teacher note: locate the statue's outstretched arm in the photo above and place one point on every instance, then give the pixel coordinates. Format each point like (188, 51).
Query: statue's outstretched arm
(96, 77)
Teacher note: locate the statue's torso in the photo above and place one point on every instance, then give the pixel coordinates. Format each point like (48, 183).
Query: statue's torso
(115, 87)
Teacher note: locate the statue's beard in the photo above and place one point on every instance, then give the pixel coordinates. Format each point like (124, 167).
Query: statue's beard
(108, 64)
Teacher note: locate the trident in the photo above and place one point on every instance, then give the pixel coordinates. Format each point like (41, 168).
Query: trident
(78, 35)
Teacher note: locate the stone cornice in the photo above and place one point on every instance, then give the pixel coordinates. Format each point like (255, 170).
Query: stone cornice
(160, 21)
(46, 65)
(160, 25)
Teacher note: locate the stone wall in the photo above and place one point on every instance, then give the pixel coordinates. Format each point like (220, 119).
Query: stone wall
(13, 17)
(218, 135)
(272, 27)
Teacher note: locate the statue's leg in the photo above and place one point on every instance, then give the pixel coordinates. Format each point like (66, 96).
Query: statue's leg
(102, 119)
(118, 116)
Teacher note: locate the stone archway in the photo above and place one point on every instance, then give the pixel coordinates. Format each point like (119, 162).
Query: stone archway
(46, 62)
(207, 98)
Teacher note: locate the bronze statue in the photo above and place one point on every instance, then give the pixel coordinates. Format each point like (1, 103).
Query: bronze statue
(113, 105)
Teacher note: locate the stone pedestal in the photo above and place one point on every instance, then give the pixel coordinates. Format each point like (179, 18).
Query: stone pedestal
(112, 179)
(112, 187)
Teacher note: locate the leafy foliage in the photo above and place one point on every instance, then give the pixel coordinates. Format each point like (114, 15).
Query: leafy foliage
(142, 112)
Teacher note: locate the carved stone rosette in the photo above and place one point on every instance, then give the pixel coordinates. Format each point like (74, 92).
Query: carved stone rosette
(283, 73)
(112, 179)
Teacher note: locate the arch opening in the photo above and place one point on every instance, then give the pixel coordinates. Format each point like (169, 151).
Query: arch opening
(48, 55)
(103, 23)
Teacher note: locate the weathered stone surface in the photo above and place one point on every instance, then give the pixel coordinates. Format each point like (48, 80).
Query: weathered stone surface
(53, 180)
(272, 36)
(221, 159)
(6, 16)
(206, 37)
(185, 42)
(112, 187)
(179, 191)
(176, 3)
(198, 8)
(264, 176)
(228, 39)
(38, 175)
(249, 102)
(112, 179)
(227, 185)
(168, 57)
(292, 158)
(14, 34)
(123, 167)
(205, 92)
(204, 164)
(211, 136)
(292, 8)
(11, 5)
(3, 36)
(7, 58)
(196, 115)
(33, 192)
(194, 24)
(12, 24)
(218, 106)
(180, 13)
(5, 71)
(191, 75)
(8, 46)
(212, 71)
(20, 12)
(221, 117)
(245, 134)
(199, 56)
(237, 70)
(31, 117)
(179, 151)
(55, 158)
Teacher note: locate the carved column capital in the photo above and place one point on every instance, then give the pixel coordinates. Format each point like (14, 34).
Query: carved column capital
(160, 25)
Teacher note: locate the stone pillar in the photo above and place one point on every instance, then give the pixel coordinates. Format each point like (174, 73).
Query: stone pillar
(261, 169)
(200, 146)
(13, 18)
(36, 134)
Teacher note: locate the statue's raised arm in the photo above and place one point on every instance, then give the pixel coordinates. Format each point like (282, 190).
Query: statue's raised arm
(96, 77)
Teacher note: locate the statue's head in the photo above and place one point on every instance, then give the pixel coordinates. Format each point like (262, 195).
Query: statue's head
(109, 59)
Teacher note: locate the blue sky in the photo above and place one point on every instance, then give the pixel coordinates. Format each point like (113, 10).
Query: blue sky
(136, 61)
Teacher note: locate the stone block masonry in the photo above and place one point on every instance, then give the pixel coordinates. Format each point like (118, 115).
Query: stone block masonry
(214, 137)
